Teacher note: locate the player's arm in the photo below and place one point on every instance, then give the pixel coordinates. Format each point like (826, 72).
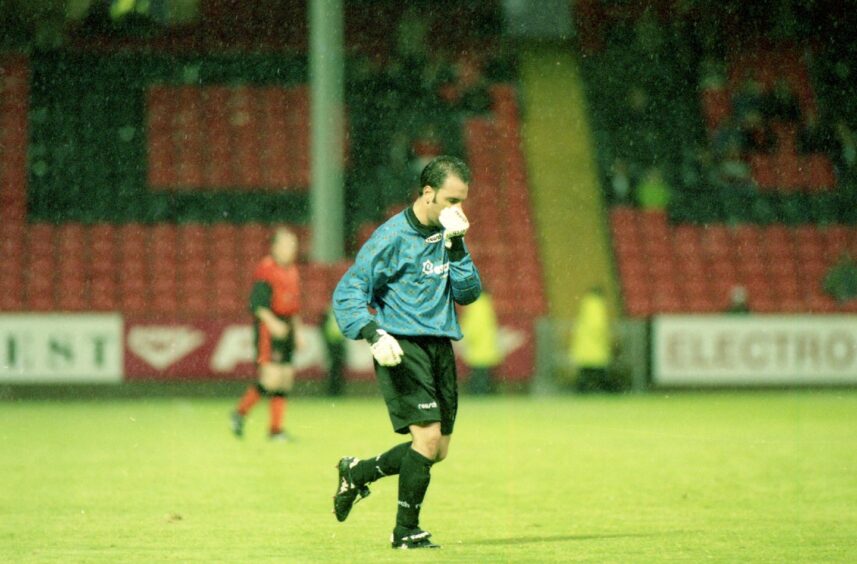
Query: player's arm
(298, 328)
(260, 306)
(375, 264)
(464, 277)
(466, 285)
(362, 283)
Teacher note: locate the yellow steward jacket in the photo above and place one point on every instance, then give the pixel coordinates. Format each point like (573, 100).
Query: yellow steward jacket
(479, 326)
(591, 339)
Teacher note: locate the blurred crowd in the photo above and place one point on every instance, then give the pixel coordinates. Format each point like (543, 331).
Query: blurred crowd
(654, 145)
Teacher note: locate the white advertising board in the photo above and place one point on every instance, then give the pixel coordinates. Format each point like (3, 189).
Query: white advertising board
(700, 350)
(59, 348)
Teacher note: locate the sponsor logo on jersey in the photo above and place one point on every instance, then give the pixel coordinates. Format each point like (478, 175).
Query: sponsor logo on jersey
(436, 238)
(429, 405)
(430, 269)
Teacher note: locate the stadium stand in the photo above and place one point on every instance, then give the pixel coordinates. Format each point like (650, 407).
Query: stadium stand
(775, 229)
(501, 208)
(153, 181)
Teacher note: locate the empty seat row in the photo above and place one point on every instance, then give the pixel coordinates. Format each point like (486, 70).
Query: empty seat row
(228, 137)
(689, 268)
(190, 269)
(494, 154)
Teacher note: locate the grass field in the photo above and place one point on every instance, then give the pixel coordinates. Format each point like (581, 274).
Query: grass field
(731, 477)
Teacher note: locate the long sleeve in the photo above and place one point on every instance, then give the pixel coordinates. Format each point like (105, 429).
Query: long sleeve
(464, 278)
(364, 283)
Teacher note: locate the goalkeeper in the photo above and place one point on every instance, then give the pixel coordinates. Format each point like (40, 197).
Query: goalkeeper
(412, 271)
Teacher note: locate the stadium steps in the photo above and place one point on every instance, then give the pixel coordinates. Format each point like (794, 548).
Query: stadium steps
(564, 185)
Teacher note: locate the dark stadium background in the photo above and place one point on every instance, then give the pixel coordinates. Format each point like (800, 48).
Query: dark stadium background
(146, 149)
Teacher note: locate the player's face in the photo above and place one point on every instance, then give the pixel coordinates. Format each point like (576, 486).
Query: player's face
(285, 248)
(452, 192)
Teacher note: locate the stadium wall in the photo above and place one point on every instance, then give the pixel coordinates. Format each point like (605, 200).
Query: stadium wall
(66, 348)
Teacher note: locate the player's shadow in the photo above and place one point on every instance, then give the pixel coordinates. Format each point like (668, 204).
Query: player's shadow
(558, 538)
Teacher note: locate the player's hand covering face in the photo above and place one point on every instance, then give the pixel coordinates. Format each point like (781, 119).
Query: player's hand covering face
(452, 193)
(454, 223)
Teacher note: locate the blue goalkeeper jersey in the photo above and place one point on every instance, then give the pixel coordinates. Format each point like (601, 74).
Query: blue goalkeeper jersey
(407, 275)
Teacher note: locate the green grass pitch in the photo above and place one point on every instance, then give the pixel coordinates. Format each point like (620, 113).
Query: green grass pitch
(724, 477)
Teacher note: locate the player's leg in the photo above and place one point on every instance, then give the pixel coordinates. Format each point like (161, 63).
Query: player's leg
(278, 379)
(408, 391)
(431, 445)
(443, 448)
(415, 473)
(282, 379)
(403, 393)
(254, 392)
(446, 383)
(425, 398)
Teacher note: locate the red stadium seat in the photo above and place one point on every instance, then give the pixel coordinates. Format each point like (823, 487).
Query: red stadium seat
(667, 302)
(103, 294)
(686, 241)
(716, 106)
(135, 304)
(790, 176)
(41, 302)
(836, 241)
(819, 175)
(194, 305)
(821, 304)
(763, 171)
(72, 295)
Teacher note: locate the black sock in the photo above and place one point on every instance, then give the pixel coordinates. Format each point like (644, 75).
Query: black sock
(414, 478)
(375, 468)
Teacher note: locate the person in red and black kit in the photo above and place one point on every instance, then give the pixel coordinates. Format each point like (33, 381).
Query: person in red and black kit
(274, 303)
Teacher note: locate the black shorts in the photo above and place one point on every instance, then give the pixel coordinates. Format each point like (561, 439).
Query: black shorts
(268, 349)
(424, 387)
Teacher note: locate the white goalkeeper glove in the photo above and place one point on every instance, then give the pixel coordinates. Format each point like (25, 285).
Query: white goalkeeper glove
(454, 224)
(386, 349)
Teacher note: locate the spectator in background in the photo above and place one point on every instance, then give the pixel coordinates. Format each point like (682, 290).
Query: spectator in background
(697, 168)
(712, 74)
(749, 98)
(424, 148)
(756, 135)
(592, 343)
(653, 192)
(841, 280)
(476, 99)
(738, 300)
(731, 171)
(729, 136)
(781, 103)
(815, 137)
(482, 352)
(621, 184)
(335, 343)
(845, 157)
(275, 305)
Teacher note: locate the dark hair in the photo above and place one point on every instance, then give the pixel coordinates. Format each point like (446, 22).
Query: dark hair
(434, 174)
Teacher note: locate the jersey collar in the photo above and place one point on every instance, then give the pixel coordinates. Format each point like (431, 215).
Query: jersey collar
(423, 230)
